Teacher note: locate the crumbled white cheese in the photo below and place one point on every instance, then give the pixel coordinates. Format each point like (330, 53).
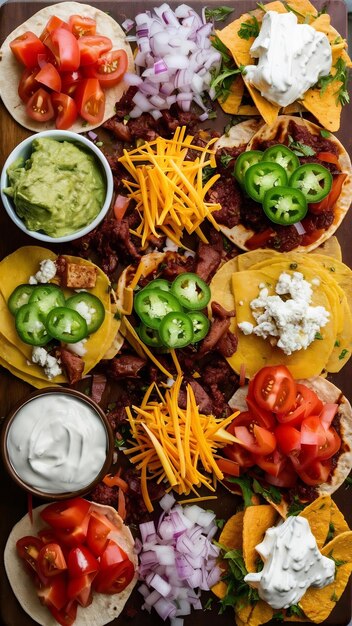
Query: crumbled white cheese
(170, 246)
(316, 281)
(77, 348)
(85, 311)
(291, 320)
(49, 363)
(46, 272)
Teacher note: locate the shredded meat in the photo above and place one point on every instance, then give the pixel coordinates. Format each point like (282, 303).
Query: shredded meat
(227, 344)
(217, 329)
(207, 260)
(120, 130)
(72, 364)
(202, 398)
(286, 238)
(219, 311)
(125, 366)
(226, 193)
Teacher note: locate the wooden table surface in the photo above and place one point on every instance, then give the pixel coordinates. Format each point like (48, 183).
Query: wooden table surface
(12, 500)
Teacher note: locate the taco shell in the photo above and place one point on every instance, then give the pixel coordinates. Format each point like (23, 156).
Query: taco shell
(11, 70)
(103, 609)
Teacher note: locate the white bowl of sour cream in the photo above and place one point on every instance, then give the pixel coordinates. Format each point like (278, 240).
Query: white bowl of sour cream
(57, 443)
(56, 186)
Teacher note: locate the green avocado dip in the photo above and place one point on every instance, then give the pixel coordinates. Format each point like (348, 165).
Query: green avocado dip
(59, 189)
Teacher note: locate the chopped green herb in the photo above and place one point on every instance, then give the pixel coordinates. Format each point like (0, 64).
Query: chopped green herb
(207, 173)
(270, 493)
(220, 47)
(249, 29)
(84, 124)
(218, 14)
(323, 10)
(334, 597)
(325, 133)
(300, 149)
(86, 391)
(294, 610)
(337, 40)
(331, 532)
(117, 315)
(318, 336)
(295, 506)
(262, 7)
(343, 354)
(99, 144)
(225, 159)
(111, 406)
(292, 10)
(259, 564)
(126, 118)
(226, 244)
(337, 343)
(119, 443)
(246, 488)
(221, 82)
(341, 75)
(238, 593)
(279, 617)
(220, 523)
(348, 482)
(212, 115)
(337, 562)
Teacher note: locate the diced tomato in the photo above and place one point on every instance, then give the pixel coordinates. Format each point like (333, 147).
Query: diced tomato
(330, 200)
(48, 57)
(316, 473)
(39, 106)
(81, 561)
(54, 593)
(286, 478)
(67, 615)
(239, 455)
(262, 417)
(262, 441)
(72, 537)
(65, 110)
(51, 560)
(92, 46)
(80, 589)
(26, 48)
(90, 100)
(328, 157)
(313, 432)
(273, 464)
(53, 23)
(70, 81)
(259, 240)
(99, 528)
(109, 69)
(116, 570)
(81, 25)
(28, 549)
(331, 445)
(66, 513)
(65, 48)
(47, 535)
(28, 84)
(308, 397)
(327, 414)
(274, 389)
(288, 439)
(50, 77)
(121, 205)
(228, 467)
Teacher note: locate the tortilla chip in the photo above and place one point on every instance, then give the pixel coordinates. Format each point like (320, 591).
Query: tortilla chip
(232, 534)
(104, 607)
(261, 614)
(338, 524)
(11, 70)
(232, 102)
(318, 515)
(317, 604)
(220, 589)
(256, 520)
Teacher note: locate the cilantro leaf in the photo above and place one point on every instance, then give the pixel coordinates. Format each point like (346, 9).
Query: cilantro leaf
(341, 75)
(249, 29)
(343, 354)
(218, 14)
(222, 81)
(294, 610)
(325, 133)
(238, 593)
(207, 173)
(300, 149)
(270, 492)
(225, 159)
(246, 488)
(295, 506)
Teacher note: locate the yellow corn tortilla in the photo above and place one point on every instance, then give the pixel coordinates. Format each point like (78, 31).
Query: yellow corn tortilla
(279, 131)
(323, 105)
(103, 609)
(11, 70)
(256, 521)
(15, 355)
(318, 514)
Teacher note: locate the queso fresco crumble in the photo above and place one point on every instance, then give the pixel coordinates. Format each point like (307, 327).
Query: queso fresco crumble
(288, 317)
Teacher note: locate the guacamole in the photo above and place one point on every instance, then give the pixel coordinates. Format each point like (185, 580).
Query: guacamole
(59, 189)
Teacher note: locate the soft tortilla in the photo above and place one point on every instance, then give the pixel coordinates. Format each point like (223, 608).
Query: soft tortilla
(240, 234)
(11, 70)
(328, 393)
(103, 609)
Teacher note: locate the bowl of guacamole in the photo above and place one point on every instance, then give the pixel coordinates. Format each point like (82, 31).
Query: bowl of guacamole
(56, 186)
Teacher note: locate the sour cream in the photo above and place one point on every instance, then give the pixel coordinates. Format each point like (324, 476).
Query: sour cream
(292, 58)
(292, 563)
(57, 443)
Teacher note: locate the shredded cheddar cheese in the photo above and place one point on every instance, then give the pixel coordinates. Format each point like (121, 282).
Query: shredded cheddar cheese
(176, 445)
(168, 188)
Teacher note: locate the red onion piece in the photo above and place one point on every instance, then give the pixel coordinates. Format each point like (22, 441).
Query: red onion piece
(300, 228)
(127, 25)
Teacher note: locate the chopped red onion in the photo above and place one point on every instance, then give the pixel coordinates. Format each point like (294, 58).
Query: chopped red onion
(299, 228)
(93, 136)
(132, 79)
(127, 25)
(178, 559)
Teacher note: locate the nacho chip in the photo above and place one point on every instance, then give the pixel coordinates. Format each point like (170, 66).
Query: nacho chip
(233, 101)
(318, 515)
(256, 520)
(317, 604)
(232, 534)
(338, 523)
(261, 614)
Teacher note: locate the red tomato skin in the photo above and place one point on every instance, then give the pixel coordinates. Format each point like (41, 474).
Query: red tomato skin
(65, 110)
(54, 593)
(28, 549)
(226, 466)
(80, 589)
(65, 49)
(67, 615)
(287, 478)
(116, 570)
(70, 81)
(316, 473)
(274, 389)
(51, 560)
(81, 25)
(109, 69)
(50, 77)
(91, 47)
(53, 23)
(28, 85)
(39, 107)
(66, 513)
(90, 100)
(99, 528)
(288, 439)
(26, 48)
(81, 561)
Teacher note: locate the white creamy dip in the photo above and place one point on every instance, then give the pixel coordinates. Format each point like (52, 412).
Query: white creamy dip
(57, 443)
(292, 58)
(292, 564)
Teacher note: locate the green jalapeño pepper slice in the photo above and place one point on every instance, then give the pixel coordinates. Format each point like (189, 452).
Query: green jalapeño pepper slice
(176, 330)
(313, 179)
(282, 155)
(47, 297)
(19, 297)
(201, 325)
(244, 161)
(191, 291)
(66, 325)
(90, 307)
(285, 205)
(30, 325)
(151, 305)
(149, 336)
(261, 177)
(159, 283)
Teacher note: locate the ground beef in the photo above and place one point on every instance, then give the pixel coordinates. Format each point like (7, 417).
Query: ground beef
(227, 344)
(102, 494)
(207, 260)
(227, 193)
(219, 373)
(253, 216)
(286, 238)
(329, 166)
(316, 222)
(118, 129)
(222, 157)
(175, 264)
(317, 142)
(72, 364)
(202, 398)
(125, 366)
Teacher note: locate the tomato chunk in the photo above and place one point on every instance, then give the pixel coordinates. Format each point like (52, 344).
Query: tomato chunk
(92, 46)
(51, 560)
(28, 84)
(90, 100)
(65, 110)
(99, 528)
(39, 106)
(226, 466)
(66, 514)
(288, 439)
(50, 77)
(116, 570)
(26, 48)
(274, 389)
(81, 25)
(67, 615)
(81, 561)
(80, 589)
(53, 594)
(65, 48)
(109, 69)
(262, 441)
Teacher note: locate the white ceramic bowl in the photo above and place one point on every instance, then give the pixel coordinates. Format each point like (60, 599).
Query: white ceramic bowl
(24, 149)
